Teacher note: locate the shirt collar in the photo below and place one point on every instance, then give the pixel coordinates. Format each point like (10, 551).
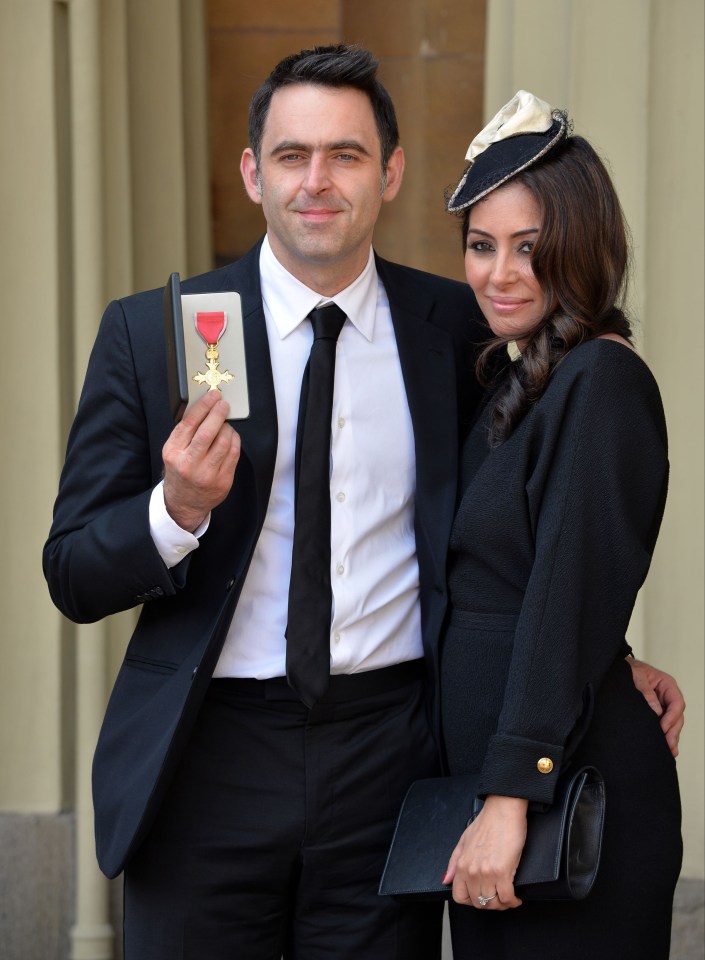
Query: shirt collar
(289, 301)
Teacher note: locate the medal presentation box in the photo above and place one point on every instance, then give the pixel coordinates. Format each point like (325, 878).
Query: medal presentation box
(205, 348)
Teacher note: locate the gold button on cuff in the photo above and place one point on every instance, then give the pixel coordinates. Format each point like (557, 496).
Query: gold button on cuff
(545, 765)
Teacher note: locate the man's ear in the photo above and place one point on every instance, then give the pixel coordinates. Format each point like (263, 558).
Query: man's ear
(395, 174)
(250, 175)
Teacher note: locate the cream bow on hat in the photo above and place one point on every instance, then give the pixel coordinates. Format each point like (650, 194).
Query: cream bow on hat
(524, 113)
(523, 132)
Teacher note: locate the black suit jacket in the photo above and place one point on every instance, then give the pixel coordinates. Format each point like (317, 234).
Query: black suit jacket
(100, 557)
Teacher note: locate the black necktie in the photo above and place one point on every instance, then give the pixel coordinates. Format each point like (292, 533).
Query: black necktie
(310, 597)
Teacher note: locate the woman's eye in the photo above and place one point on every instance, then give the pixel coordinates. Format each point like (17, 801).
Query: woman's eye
(480, 246)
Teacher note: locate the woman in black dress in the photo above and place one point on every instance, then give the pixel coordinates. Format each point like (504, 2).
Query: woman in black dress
(565, 476)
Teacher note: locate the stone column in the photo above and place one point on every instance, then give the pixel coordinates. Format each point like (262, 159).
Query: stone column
(92, 933)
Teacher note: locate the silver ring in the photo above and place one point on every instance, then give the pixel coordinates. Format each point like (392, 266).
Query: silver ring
(483, 901)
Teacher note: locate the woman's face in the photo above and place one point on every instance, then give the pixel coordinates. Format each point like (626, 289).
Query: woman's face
(502, 230)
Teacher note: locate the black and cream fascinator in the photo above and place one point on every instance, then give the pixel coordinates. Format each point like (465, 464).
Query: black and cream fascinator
(523, 132)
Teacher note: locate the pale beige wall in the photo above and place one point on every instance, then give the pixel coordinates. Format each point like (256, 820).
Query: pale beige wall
(673, 293)
(31, 728)
(631, 76)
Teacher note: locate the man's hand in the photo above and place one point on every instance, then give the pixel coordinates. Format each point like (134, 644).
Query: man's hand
(200, 458)
(663, 695)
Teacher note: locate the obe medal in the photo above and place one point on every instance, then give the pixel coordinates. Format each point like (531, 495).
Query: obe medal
(211, 327)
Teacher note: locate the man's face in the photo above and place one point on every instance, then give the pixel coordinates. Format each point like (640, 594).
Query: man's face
(320, 182)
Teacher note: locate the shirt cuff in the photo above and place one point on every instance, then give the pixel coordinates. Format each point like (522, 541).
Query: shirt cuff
(172, 542)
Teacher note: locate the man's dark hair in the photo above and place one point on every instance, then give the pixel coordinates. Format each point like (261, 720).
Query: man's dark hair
(341, 65)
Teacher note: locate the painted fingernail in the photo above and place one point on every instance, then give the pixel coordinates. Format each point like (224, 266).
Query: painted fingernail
(445, 875)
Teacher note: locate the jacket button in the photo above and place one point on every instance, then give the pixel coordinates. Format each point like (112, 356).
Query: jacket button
(230, 584)
(545, 765)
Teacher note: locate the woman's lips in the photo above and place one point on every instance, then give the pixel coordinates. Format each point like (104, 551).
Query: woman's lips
(507, 304)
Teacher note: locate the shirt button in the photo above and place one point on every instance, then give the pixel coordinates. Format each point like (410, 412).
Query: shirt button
(341, 422)
(182, 550)
(340, 497)
(336, 638)
(340, 569)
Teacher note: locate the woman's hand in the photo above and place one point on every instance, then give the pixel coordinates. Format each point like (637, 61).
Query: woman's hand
(483, 864)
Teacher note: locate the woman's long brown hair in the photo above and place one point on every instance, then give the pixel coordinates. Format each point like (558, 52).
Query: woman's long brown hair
(580, 260)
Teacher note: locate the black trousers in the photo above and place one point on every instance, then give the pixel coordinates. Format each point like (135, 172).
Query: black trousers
(272, 838)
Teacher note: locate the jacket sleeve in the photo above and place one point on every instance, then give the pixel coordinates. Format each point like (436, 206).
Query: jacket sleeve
(99, 557)
(596, 499)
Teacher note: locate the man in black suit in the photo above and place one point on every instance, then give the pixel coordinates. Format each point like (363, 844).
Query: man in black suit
(248, 824)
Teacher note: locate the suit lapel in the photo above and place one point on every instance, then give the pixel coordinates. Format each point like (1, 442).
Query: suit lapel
(258, 433)
(428, 367)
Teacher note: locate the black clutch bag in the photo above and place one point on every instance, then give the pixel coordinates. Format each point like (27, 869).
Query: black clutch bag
(559, 860)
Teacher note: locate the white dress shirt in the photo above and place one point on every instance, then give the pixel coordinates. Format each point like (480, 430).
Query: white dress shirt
(374, 570)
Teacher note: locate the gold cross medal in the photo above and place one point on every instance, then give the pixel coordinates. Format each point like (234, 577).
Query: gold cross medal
(211, 327)
(213, 319)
